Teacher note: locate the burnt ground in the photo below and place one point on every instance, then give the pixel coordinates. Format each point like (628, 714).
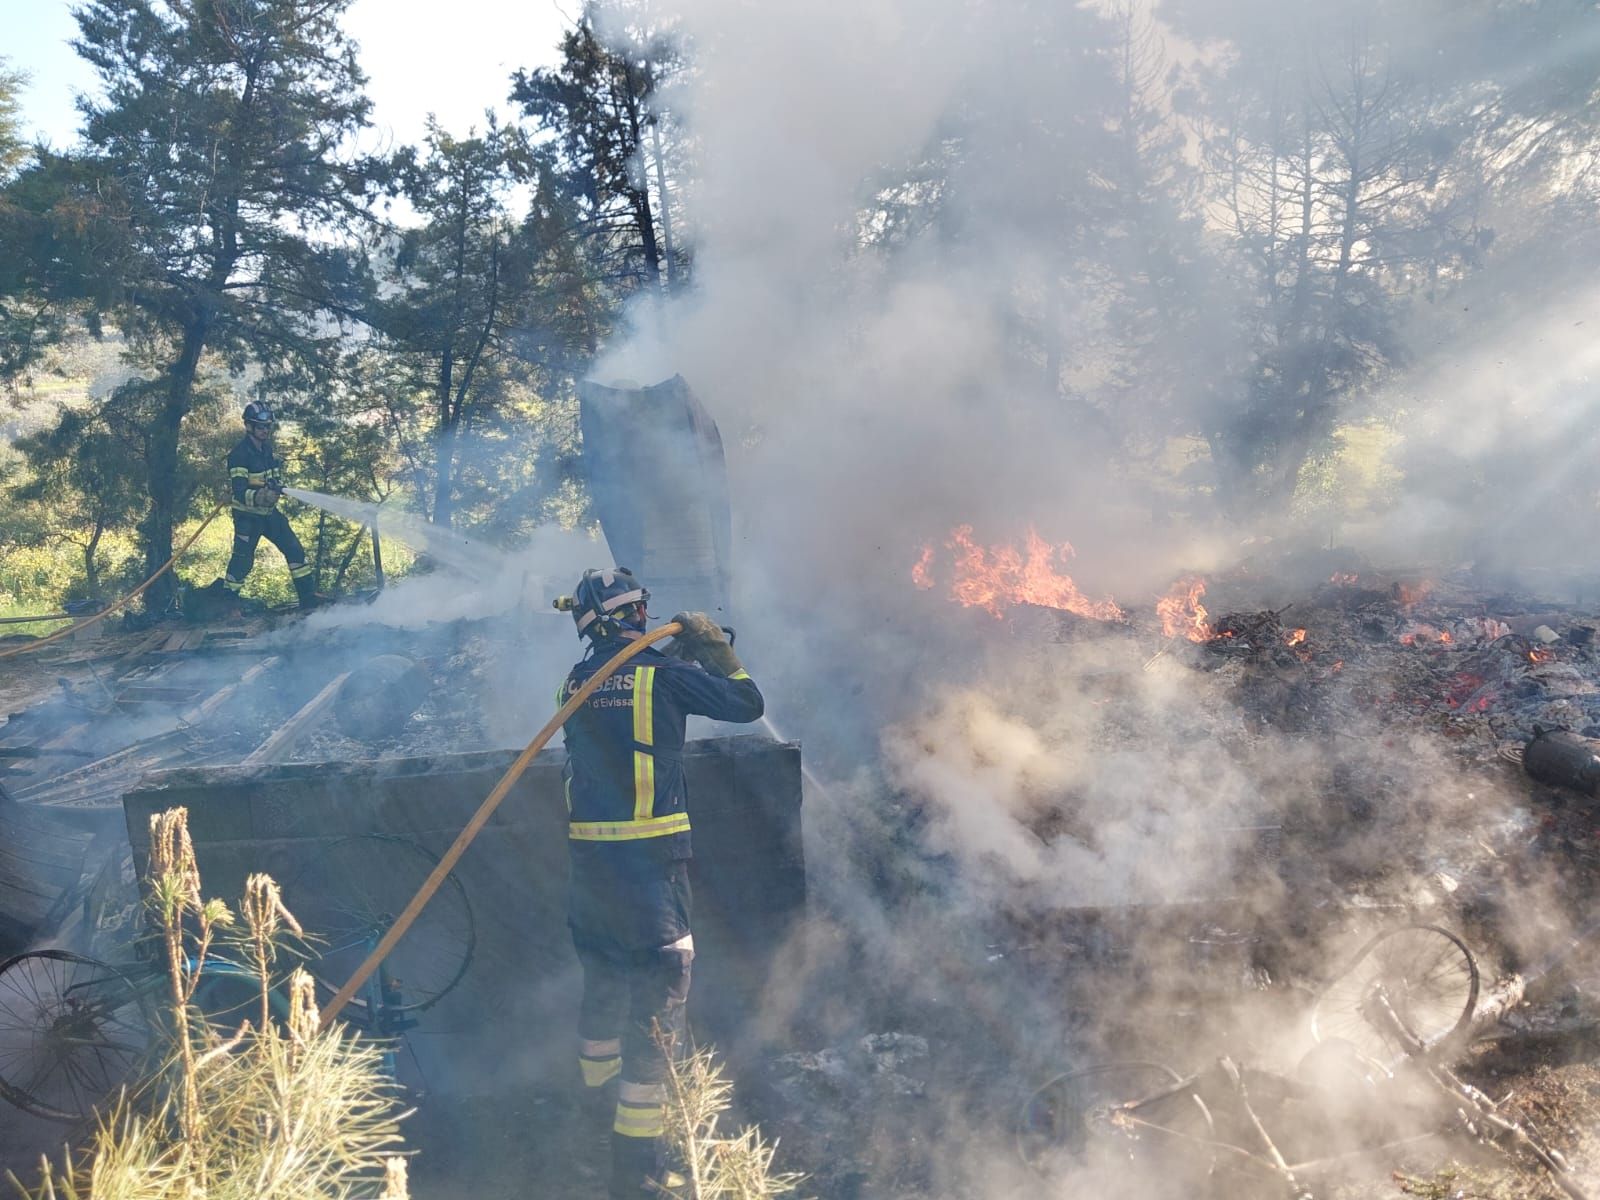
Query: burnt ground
(1429, 689)
(900, 1058)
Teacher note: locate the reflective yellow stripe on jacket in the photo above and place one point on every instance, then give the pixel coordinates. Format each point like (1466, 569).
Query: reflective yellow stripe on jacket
(628, 831)
(644, 734)
(253, 482)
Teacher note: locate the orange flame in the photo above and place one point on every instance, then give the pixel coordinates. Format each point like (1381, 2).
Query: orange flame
(1537, 655)
(994, 578)
(1181, 612)
(1409, 596)
(1423, 634)
(1343, 578)
(1294, 637)
(920, 575)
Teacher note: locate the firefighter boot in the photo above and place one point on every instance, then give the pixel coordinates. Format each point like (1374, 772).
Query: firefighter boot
(305, 589)
(635, 1163)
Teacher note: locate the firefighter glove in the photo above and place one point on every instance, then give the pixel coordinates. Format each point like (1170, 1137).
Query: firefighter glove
(702, 639)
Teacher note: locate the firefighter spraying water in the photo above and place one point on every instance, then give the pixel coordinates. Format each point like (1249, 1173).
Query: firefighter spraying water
(256, 483)
(462, 554)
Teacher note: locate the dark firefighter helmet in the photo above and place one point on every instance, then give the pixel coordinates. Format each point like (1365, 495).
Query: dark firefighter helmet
(605, 601)
(257, 413)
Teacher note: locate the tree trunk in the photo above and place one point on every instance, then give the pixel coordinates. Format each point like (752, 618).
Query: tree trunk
(639, 188)
(321, 559)
(1232, 497)
(91, 570)
(162, 461)
(666, 206)
(347, 559)
(443, 509)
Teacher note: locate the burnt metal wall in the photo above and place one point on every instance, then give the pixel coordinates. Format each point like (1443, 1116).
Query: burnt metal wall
(660, 488)
(512, 1017)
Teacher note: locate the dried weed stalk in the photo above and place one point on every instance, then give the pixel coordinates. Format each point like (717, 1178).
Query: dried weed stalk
(264, 915)
(715, 1165)
(246, 1114)
(188, 926)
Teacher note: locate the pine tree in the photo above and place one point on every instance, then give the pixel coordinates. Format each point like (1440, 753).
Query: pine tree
(212, 192)
(458, 278)
(612, 142)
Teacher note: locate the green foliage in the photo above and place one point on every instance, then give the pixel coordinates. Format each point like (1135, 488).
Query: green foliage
(1221, 250)
(608, 137)
(80, 485)
(480, 318)
(460, 278)
(203, 211)
(1354, 156)
(12, 149)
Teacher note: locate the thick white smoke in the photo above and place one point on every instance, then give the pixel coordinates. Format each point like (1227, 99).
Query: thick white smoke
(875, 393)
(876, 398)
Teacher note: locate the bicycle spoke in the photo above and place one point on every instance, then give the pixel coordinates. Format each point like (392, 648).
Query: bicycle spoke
(355, 943)
(39, 1005)
(46, 1068)
(73, 1076)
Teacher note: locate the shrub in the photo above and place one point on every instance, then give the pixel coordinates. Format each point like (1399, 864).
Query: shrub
(261, 1112)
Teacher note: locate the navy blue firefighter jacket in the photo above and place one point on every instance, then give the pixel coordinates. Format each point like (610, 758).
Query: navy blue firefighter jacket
(624, 770)
(250, 468)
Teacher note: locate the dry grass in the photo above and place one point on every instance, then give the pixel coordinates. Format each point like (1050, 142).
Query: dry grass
(254, 1113)
(716, 1166)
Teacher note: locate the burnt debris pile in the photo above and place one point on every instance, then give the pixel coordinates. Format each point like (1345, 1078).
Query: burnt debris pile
(1173, 835)
(1159, 833)
(91, 720)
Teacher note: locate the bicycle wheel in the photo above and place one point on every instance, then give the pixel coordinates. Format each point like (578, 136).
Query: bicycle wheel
(1428, 975)
(72, 1031)
(347, 897)
(1101, 1118)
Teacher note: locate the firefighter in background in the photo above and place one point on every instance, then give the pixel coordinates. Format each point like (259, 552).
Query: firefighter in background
(253, 474)
(628, 841)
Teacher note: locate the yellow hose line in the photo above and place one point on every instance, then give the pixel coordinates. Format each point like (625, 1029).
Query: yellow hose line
(120, 604)
(480, 818)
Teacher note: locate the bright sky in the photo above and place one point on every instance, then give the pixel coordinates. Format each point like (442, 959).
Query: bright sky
(453, 58)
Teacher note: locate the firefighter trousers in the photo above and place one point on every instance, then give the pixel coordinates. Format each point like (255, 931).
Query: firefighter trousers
(629, 995)
(248, 530)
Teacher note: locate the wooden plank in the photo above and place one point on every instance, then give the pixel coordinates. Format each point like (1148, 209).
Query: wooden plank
(277, 747)
(145, 693)
(221, 696)
(144, 646)
(66, 737)
(149, 746)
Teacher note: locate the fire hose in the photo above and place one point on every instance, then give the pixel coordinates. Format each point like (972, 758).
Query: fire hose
(446, 864)
(120, 604)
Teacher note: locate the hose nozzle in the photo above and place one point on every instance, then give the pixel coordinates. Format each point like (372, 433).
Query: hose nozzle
(563, 604)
